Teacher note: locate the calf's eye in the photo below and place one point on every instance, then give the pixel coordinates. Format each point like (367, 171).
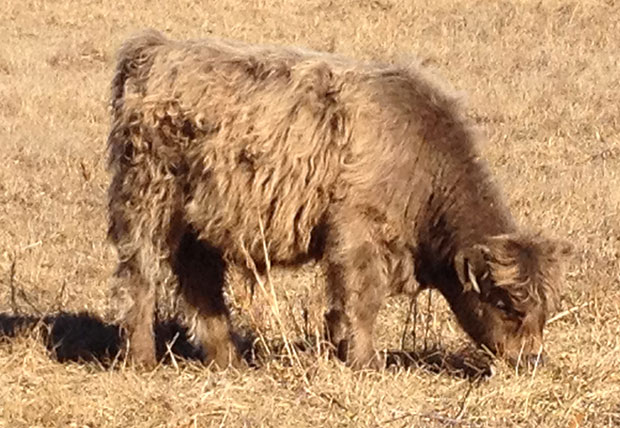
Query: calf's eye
(500, 304)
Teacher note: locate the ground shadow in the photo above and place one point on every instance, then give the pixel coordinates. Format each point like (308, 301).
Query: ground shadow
(85, 337)
(471, 365)
(438, 360)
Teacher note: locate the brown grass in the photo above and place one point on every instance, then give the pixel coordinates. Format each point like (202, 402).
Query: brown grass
(542, 79)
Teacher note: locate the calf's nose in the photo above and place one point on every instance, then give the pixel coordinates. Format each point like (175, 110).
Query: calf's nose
(528, 361)
(534, 360)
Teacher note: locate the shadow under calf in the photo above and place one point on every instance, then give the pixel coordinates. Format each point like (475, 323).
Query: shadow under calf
(439, 361)
(84, 337)
(472, 366)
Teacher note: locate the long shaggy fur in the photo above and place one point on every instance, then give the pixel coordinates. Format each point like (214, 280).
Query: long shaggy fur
(370, 167)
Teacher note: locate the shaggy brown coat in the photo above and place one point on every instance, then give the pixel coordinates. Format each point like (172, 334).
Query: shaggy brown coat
(369, 167)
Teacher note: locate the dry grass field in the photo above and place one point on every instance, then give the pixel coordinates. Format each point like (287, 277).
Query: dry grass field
(543, 83)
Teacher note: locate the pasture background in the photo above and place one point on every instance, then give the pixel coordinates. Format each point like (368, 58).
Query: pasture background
(543, 83)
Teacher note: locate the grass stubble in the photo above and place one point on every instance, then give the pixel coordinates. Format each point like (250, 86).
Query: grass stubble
(542, 80)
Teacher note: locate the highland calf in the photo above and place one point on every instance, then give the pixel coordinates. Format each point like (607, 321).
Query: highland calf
(219, 147)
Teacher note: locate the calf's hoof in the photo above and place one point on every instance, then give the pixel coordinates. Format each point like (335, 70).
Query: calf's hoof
(374, 361)
(142, 360)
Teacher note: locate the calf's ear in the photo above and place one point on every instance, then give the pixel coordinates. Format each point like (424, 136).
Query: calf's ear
(471, 267)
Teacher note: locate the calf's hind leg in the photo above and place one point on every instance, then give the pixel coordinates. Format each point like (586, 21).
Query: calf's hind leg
(357, 285)
(132, 290)
(201, 272)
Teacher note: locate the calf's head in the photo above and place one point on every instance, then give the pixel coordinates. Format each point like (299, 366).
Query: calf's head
(510, 285)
